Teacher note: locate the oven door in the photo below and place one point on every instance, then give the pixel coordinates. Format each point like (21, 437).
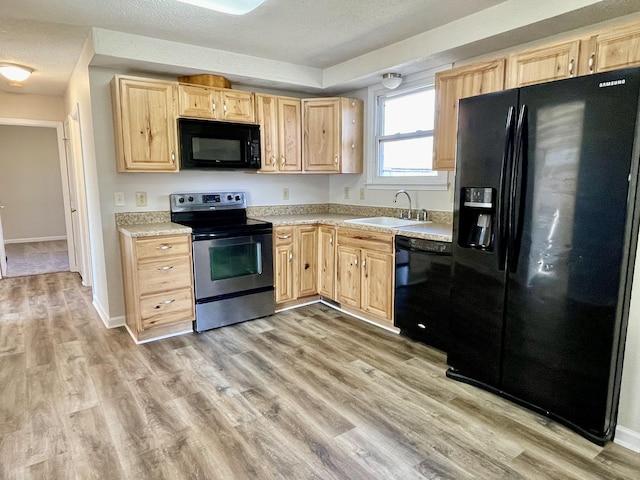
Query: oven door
(225, 266)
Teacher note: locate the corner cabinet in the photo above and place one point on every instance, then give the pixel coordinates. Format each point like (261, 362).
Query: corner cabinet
(332, 135)
(614, 49)
(280, 120)
(158, 285)
(365, 265)
(451, 86)
(144, 113)
(223, 104)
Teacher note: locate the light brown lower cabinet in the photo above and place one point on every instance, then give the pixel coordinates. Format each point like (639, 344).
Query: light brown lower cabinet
(158, 285)
(327, 242)
(365, 268)
(296, 262)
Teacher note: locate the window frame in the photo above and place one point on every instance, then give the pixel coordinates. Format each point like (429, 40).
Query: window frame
(440, 179)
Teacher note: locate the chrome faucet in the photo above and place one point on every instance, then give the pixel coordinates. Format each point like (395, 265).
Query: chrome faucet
(395, 200)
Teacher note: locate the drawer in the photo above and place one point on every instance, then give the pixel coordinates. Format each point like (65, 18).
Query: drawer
(283, 235)
(375, 241)
(166, 308)
(163, 246)
(164, 274)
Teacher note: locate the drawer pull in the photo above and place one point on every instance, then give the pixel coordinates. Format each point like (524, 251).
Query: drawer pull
(166, 302)
(422, 325)
(164, 246)
(165, 268)
(283, 237)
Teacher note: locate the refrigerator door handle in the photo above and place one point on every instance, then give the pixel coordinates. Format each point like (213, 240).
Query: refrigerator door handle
(518, 175)
(503, 197)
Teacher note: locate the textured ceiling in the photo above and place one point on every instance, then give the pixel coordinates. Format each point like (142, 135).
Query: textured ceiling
(48, 35)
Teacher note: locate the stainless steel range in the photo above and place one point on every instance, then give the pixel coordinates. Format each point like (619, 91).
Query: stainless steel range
(232, 258)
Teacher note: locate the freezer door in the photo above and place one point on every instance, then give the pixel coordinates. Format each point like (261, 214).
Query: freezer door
(485, 129)
(563, 293)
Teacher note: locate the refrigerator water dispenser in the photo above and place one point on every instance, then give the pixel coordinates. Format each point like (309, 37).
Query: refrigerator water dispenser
(477, 215)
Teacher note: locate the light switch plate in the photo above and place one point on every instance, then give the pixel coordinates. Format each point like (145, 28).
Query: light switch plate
(118, 198)
(285, 193)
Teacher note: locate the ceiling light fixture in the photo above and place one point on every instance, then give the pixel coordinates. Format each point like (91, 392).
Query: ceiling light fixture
(234, 7)
(15, 73)
(391, 80)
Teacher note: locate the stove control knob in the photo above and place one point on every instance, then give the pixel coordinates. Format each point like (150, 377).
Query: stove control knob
(237, 198)
(190, 199)
(229, 197)
(181, 200)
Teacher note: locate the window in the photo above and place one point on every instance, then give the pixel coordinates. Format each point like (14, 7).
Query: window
(403, 141)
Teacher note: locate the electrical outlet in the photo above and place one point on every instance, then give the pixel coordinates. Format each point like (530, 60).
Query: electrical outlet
(285, 194)
(361, 193)
(118, 198)
(141, 199)
(346, 193)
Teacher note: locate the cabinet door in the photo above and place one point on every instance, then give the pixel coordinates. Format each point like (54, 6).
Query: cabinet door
(289, 135)
(327, 262)
(377, 283)
(145, 113)
(284, 264)
(196, 101)
(267, 113)
(619, 48)
(237, 106)
(352, 129)
(551, 62)
(451, 86)
(321, 124)
(307, 260)
(348, 285)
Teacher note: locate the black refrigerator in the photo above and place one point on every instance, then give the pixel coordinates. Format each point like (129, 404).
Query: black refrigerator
(544, 239)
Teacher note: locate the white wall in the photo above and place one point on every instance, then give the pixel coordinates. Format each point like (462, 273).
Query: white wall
(31, 184)
(31, 107)
(262, 189)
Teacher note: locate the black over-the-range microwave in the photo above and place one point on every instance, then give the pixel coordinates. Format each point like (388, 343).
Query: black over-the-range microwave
(208, 144)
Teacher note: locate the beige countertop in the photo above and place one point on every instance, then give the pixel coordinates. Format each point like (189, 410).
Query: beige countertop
(153, 229)
(430, 231)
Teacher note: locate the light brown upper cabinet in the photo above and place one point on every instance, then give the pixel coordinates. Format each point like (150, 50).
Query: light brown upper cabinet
(280, 120)
(217, 103)
(544, 64)
(451, 86)
(144, 113)
(332, 135)
(614, 49)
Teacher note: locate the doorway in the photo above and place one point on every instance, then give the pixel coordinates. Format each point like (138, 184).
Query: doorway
(36, 218)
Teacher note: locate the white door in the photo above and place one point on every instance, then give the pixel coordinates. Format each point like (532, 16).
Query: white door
(75, 261)
(3, 255)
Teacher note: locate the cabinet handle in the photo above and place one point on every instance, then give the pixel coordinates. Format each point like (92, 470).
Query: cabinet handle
(166, 302)
(165, 268)
(282, 160)
(173, 157)
(273, 160)
(592, 61)
(364, 264)
(335, 159)
(331, 240)
(356, 262)
(164, 246)
(571, 67)
(283, 237)
(353, 145)
(213, 106)
(224, 107)
(290, 256)
(422, 325)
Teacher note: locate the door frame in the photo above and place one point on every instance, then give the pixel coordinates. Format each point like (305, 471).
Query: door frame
(63, 174)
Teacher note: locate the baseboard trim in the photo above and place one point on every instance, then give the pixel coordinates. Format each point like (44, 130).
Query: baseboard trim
(627, 438)
(35, 239)
(102, 313)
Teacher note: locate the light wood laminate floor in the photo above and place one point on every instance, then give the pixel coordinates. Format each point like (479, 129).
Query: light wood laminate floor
(304, 394)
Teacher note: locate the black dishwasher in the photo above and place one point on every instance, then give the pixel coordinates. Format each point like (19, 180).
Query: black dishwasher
(422, 289)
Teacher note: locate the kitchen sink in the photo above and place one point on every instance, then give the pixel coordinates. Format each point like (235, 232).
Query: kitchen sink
(384, 221)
